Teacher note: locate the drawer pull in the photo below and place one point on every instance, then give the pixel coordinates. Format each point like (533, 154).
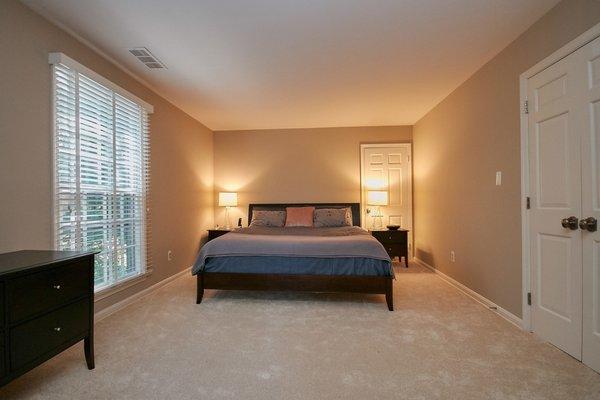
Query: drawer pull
(57, 287)
(57, 329)
(389, 237)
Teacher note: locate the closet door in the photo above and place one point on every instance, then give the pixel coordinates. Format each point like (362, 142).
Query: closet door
(388, 167)
(589, 69)
(555, 189)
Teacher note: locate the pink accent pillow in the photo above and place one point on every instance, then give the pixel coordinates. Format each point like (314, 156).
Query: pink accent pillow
(299, 216)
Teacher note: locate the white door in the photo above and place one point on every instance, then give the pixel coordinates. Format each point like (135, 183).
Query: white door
(388, 167)
(589, 68)
(555, 191)
(564, 151)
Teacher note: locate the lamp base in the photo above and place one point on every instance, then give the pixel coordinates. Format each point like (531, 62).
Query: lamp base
(227, 223)
(377, 220)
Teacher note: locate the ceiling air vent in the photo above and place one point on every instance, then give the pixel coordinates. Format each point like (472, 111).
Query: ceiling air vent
(144, 55)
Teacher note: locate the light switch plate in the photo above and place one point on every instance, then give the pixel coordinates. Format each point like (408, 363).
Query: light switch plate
(498, 178)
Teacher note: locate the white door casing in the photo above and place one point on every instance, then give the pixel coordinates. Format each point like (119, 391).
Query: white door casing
(555, 191)
(388, 167)
(589, 67)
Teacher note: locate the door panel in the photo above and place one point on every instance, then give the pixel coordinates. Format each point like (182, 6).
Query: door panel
(594, 72)
(553, 162)
(589, 64)
(395, 186)
(396, 220)
(594, 146)
(376, 158)
(595, 287)
(551, 91)
(555, 176)
(394, 158)
(388, 167)
(554, 277)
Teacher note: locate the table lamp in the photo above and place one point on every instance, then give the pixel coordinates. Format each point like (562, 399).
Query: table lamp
(377, 198)
(227, 199)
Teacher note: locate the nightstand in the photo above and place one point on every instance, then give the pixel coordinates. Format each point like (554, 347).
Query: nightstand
(395, 243)
(215, 233)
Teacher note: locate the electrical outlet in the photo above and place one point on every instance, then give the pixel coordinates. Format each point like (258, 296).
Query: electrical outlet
(170, 255)
(452, 256)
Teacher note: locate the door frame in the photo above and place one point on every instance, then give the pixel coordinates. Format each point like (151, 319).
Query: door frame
(553, 58)
(364, 219)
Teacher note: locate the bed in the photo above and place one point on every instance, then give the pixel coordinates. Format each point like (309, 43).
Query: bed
(329, 259)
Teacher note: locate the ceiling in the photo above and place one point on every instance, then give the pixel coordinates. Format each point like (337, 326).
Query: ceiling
(257, 64)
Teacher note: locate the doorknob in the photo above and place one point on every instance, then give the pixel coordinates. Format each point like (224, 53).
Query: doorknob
(570, 223)
(589, 224)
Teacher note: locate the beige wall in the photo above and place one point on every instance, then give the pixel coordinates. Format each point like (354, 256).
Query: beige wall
(459, 146)
(294, 165)
(181, 149)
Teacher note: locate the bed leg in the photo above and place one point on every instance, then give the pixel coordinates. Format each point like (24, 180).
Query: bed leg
(389, 294)
(199, 288)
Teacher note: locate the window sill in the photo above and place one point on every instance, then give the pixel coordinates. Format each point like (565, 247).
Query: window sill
(129, 282)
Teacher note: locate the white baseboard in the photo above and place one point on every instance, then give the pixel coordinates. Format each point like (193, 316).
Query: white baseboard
(100, 315)
(487, 303)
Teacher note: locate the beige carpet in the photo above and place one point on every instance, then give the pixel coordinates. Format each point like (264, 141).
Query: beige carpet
(439, 344)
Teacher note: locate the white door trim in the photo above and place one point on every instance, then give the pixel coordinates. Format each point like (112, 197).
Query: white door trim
(558, 55)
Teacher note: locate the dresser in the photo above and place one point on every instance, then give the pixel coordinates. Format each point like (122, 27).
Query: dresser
(395, 243)
(46, 306)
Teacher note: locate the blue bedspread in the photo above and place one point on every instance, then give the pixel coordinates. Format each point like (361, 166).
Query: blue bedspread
(298, 265)
(312, 251)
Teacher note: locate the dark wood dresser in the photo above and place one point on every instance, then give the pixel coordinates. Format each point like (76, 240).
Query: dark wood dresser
(395, 243)
(46, 306)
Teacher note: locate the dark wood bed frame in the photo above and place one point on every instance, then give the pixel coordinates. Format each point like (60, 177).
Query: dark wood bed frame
(301, 283)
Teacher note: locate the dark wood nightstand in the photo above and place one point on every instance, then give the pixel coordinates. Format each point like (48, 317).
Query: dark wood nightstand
(215, 233)
(395, 243)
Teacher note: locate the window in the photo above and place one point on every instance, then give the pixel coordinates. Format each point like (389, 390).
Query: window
(101, 155)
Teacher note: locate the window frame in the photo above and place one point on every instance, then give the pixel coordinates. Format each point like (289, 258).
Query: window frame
(146, 268)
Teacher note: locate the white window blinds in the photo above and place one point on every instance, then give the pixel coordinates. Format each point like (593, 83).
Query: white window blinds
(101, 174)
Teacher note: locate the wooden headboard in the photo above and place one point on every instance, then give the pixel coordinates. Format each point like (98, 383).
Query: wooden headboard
(355, 207)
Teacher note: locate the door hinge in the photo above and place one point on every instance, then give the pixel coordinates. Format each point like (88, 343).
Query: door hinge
(529, 298)
(526, 107)
(528, 202)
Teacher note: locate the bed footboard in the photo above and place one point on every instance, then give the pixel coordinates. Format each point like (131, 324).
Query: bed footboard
(301, 283)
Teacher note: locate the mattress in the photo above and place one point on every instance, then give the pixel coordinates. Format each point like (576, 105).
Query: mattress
(304, 251)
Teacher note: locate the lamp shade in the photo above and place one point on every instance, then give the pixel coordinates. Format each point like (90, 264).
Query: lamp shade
(227, 199)
(377, 198)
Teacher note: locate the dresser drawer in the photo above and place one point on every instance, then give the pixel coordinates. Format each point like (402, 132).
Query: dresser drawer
(394, 249)
(2, 355)
(41, 335)
(393, 237)
(41, 291)
(1, 306)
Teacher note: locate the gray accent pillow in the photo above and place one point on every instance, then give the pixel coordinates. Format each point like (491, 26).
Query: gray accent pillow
(331, 217)
(268, 218)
